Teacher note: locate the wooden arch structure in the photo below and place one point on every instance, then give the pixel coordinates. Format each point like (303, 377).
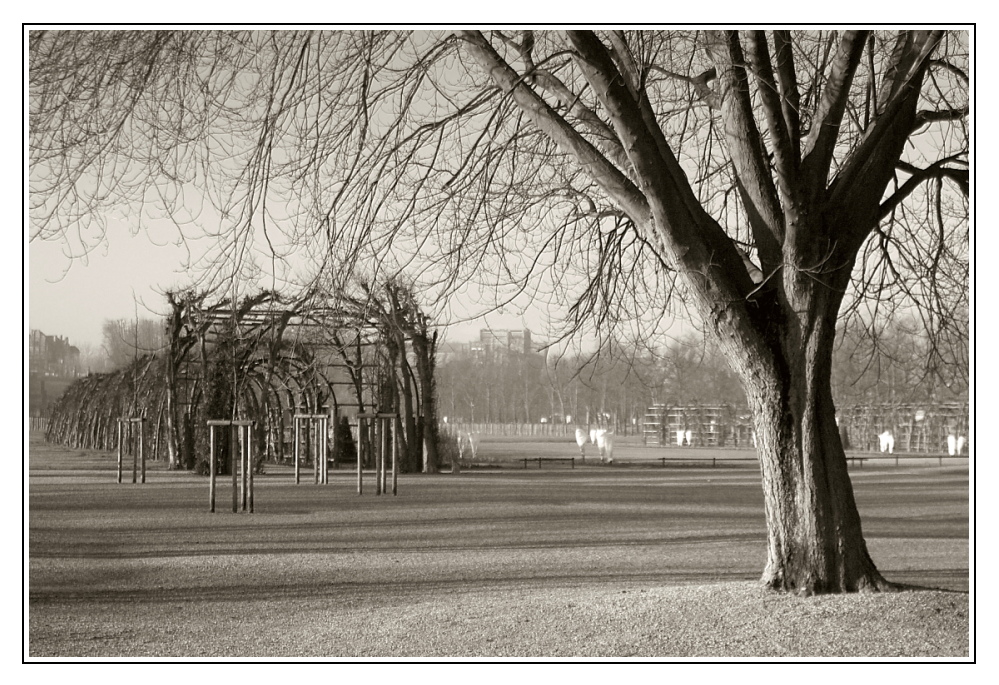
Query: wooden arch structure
(265, 360)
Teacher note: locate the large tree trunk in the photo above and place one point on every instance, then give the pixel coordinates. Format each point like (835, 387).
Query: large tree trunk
(815, 543)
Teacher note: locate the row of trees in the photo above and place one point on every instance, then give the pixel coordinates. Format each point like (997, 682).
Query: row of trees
(612, 387)
(615, 386)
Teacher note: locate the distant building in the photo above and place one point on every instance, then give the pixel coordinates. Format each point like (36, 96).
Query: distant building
(494, 342)
(52, 365)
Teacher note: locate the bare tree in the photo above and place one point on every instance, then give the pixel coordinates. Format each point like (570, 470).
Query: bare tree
(768, 183)
(126, 340)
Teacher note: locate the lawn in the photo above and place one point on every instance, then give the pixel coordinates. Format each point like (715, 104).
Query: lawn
(596, 561)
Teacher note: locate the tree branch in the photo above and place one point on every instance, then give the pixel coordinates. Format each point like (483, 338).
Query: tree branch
(790, 99)
(699, 82)
(857, 190)
(924, 117)
(696, 242)
(937, 170)
(603, 172)
(745, 146)
(821, 142)
(784, 147)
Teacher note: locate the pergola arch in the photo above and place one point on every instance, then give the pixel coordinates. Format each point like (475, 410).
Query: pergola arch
(270, 358)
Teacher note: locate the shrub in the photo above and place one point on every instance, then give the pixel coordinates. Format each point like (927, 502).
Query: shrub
(345, 449)
(447, 447)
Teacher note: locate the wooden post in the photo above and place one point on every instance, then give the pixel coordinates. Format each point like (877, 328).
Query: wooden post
(317, 449)
(131, 446)
(249, 464)
(389, 432)
(336, 424)
(296, 444)
(395, 463)
(385, 437)
(142, 453)
(233, 447)
(382, 455)
(211, 469)
(360, 451)
(379, 455)
(119, 450)
(325, 423)
(238, 435)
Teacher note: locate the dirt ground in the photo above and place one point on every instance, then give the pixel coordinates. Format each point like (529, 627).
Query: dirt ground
(629, 561)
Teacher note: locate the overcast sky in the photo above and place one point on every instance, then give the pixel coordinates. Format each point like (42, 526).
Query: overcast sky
(126, 276)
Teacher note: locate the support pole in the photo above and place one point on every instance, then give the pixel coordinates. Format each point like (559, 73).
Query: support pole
(386, 437)
(317, 449)
(336, 424)
(142, 453)
(233, 447)
(211, 469)
(119, 449)
(239, 437)
(296, 443)
(324, 429)
(135, 454)
(360, 451)
(249, 463)
(379, 458)
(395, 463)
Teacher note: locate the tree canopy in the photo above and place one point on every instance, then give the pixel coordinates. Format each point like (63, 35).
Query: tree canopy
(399, 152)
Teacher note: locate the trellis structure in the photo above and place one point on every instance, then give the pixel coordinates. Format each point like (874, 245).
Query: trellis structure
(263, 360)
(922, 427)
(916, 427)
(696, 425)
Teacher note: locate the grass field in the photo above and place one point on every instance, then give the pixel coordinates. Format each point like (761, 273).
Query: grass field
(596, 561)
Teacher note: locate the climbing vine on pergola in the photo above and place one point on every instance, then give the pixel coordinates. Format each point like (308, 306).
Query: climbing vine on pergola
(265, 359)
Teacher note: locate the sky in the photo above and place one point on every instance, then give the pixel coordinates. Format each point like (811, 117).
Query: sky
(126, 276)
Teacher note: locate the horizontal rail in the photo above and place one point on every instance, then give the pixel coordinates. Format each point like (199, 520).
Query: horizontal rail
(572, 460)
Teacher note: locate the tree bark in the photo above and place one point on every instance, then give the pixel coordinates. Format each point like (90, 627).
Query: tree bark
(425, 347)
(815, 541)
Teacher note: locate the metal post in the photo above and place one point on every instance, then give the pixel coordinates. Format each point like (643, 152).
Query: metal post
(211, 469)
